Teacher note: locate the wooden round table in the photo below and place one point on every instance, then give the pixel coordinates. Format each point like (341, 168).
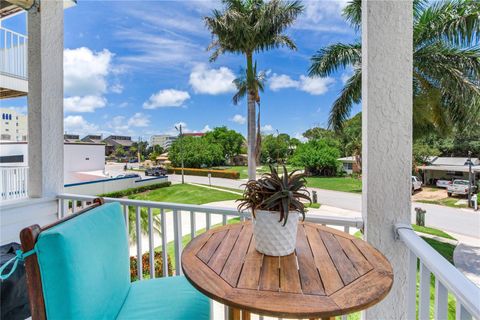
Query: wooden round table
(331, 273)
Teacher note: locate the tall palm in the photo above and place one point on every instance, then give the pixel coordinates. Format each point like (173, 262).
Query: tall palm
(446, 64)
(246, 27)
(242, 89)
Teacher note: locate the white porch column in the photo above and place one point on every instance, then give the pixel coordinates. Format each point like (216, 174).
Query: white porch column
(45, 99)
(387, 137)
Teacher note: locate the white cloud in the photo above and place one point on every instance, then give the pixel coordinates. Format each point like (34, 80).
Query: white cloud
(282, 81)
(166, 98)
(300, 137)
(21, 110)
(315, 86)
(78, 125)
(267, 128)
(83, 104)
(212, 81)
(85, 71)
(116, 88)
(206, 129)
(238, 118)
(139, 120)
(346, 75)
(324, 15)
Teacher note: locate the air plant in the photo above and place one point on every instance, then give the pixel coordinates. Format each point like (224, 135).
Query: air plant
(274, 192)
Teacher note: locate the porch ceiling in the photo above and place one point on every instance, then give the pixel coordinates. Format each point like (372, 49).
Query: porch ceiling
(6, 93)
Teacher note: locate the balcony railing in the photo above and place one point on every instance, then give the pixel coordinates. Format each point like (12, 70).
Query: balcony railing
(182, 219)
(448, 279)
(13, 53)
(13, 182)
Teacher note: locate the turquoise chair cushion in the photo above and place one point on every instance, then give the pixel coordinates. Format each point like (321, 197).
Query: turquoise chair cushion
(171, 298)
(84, 265)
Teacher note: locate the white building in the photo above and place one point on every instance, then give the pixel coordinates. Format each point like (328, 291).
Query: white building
(163, 140)
(13, 125)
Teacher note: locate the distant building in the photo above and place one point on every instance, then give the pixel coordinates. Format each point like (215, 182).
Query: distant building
(449, 168)
(163, 140)
(71, 138)
(13, 125)
(194, 134)
(349, 165)
(112, 142)
(91, 138)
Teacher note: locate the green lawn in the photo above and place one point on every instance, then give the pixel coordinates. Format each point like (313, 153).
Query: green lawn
(448, 202)
(346, 184)
(432, 231)
(185, 193)
(243, 170)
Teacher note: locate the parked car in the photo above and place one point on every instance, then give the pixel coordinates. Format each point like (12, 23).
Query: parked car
(416, 184)
(155, 171)
(441, 183)
(128, 175)
(459, 187)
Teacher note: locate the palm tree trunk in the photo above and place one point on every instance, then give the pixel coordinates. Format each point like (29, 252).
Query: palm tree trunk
(251, 136)
(258, 141)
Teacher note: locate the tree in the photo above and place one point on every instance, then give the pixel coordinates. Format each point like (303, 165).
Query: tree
(242, 89)
(319, 133)
(423, 152)
(154, 151)
(246, 27)
(119, 152)
(196, 152)
(230, 141)
(318, 157)
(275, 148)
(446, 65)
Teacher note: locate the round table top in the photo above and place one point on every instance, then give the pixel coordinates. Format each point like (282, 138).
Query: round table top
(330, 273)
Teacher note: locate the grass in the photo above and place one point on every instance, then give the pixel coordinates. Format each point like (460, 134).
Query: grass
(448, 202)
(185, 193)
(432, 231)
(313, 205)
(345, 184)
(224, 188)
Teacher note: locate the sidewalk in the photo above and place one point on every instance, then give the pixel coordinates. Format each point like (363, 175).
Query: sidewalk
(467, 257)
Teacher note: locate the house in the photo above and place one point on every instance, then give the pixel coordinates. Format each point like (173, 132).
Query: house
(449, 168)
(71, 138)
(349, 165)
(112, 142)
(386, 164)
(92, 138)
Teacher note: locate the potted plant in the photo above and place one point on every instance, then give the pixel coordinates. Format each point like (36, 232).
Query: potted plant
(274, 201)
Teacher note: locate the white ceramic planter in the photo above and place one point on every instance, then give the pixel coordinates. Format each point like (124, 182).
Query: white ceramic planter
(271, 237)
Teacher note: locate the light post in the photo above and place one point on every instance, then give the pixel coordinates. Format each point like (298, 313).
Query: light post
(469, 163)
(179, 129)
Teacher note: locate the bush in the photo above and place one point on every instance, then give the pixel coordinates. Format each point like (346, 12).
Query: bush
(196, 153)
(158, 260)
(228, 174)
(129, 192)
(318, 157)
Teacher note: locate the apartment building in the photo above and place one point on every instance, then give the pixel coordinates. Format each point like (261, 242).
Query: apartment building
(13, 125)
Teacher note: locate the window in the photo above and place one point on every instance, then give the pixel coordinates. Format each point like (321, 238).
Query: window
(347, 166)
(7, 129)
(87, 159)
(6, 122)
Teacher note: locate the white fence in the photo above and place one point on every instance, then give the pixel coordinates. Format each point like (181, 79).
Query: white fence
(103, 186)
(13, 182)
(13, 53)
(448, 279)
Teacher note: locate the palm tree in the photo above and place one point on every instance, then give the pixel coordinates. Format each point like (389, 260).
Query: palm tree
(247, 27)
(259, 84)
(446, 65)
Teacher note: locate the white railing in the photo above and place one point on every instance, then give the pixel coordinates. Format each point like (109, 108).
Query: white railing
(448, 280)
(181, 220)
(13, 53)
(13, 182)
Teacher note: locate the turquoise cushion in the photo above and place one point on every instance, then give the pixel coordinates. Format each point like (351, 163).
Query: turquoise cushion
(84, 265)
(171, 298)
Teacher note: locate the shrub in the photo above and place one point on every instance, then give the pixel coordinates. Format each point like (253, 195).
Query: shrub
(129, 192)
(158, 261)
(228, 174)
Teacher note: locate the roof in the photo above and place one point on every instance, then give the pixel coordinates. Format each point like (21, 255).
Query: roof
(347, 159)
(193, 134)
(450, 168)
(453, 161)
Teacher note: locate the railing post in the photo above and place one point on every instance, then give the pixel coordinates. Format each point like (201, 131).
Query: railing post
(151, 246)
(138, 225)
(163, 222)
(177, 229)
(387, 56)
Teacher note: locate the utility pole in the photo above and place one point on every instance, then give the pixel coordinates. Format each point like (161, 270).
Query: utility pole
(469, 163)
(181, 149)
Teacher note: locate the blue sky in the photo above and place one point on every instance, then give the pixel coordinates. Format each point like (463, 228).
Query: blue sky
(138, 68)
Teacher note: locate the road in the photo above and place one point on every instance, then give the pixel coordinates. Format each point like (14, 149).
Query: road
(461, 221)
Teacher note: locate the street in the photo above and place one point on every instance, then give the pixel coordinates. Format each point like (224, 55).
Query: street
(461, 221)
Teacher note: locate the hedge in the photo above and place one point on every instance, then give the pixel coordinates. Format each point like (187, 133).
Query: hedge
(129, 192)
(158, 261)
(204, 172)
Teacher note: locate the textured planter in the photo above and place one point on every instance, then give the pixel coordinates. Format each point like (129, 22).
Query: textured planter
(271, 237)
